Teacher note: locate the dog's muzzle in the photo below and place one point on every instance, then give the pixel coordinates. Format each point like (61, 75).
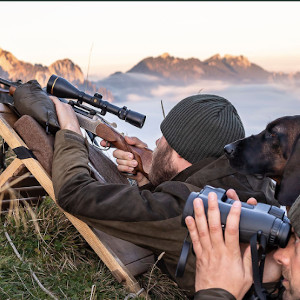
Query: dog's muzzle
(229, 150)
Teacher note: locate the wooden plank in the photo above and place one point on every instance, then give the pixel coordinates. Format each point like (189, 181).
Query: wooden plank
(8, 115)
(10, 170)
(28, 181)
(116, 267)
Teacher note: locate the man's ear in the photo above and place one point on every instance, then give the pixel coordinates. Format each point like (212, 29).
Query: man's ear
(181, 162)
(289, 188)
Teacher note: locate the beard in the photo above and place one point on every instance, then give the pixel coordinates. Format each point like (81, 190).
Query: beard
(162, 167)
(287, 295)
(291, 292)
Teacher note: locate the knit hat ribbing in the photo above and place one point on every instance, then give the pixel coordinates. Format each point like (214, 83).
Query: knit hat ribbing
(294, 216)
(201, 125)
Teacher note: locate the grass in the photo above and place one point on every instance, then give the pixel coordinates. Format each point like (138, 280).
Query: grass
(63, 262)
(53, 251)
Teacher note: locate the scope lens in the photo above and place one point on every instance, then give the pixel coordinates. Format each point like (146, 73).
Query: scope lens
(135, 118)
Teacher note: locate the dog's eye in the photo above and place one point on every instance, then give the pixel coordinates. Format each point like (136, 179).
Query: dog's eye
(270, 135)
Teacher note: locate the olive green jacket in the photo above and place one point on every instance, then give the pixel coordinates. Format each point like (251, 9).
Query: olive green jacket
(148, 217)
(274, 290)
(213, 294)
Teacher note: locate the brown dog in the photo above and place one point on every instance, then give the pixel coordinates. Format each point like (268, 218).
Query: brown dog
(275, 152)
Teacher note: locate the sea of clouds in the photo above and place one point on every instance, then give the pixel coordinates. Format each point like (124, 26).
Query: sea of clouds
(257, 104)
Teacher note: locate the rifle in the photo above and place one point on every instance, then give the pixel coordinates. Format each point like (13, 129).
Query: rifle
(91, 118)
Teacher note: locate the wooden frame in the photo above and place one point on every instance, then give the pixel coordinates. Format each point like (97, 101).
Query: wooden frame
(106, 253)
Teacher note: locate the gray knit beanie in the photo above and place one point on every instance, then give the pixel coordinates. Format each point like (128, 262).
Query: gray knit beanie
(294, 216)
(200, 126)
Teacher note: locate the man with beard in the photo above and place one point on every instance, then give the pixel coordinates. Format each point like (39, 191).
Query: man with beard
(188, 156)
(162, 167)
(229, 272)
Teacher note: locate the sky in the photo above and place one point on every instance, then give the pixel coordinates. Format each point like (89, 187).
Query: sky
(105, 37)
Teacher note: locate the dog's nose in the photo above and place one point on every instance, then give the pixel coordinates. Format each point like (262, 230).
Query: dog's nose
(229, 149)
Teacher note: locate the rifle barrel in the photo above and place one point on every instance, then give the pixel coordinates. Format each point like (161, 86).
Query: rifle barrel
(5, 82)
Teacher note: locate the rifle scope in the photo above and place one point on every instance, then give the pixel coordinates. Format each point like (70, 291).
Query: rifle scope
(60, 87)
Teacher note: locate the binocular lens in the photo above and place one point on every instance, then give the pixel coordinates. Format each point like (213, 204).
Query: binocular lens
(280, 233)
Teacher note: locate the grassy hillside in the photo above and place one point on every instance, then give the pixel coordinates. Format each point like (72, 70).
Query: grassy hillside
(53, 252)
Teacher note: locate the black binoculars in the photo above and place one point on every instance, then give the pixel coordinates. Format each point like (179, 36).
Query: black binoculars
(268, 220)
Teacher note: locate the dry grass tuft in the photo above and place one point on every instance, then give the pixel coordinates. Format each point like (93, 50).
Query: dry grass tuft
(62, 260)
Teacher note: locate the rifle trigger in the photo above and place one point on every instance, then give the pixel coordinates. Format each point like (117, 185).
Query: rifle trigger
(107, 146)
(97, 145)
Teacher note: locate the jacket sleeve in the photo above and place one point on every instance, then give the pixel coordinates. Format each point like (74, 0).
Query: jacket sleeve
(79, 194)
(213, 294)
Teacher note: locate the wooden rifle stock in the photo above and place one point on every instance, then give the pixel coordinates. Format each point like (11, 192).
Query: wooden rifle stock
(103, 129)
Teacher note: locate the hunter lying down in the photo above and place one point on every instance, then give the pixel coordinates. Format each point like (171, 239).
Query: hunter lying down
(188, 157)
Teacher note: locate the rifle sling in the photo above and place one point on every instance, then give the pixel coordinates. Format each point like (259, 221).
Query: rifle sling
(23, 153)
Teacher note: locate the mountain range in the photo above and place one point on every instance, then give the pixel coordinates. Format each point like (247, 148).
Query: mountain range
(13, 69)
(146, 74)
(227, 68)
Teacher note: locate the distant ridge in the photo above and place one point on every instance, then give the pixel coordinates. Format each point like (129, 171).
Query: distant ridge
(14, 69)
(227, 68)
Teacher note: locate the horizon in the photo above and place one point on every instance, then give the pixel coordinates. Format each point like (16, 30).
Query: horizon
(99, 77)
(103, 37)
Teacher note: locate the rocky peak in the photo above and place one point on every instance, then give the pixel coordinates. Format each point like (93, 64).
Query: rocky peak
(215, 57)
(165, 55)
(170, 67)
(240, 60)
(7, 60)
(67, 69)
(14, 69)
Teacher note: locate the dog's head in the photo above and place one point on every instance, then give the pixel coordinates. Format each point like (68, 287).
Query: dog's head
(275, 152)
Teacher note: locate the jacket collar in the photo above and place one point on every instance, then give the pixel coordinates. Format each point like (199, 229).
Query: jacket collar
(194, 168)
(218, 168)
(200, 173)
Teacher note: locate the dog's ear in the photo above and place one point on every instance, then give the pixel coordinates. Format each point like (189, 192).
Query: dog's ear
(289, 188)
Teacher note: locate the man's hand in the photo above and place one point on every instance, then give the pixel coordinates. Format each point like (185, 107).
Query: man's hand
(126, 162)
(231, 193)
(219, 263)
(66, 116)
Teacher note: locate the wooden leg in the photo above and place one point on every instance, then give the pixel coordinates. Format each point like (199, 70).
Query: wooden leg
(118, 269)
(10, 170)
